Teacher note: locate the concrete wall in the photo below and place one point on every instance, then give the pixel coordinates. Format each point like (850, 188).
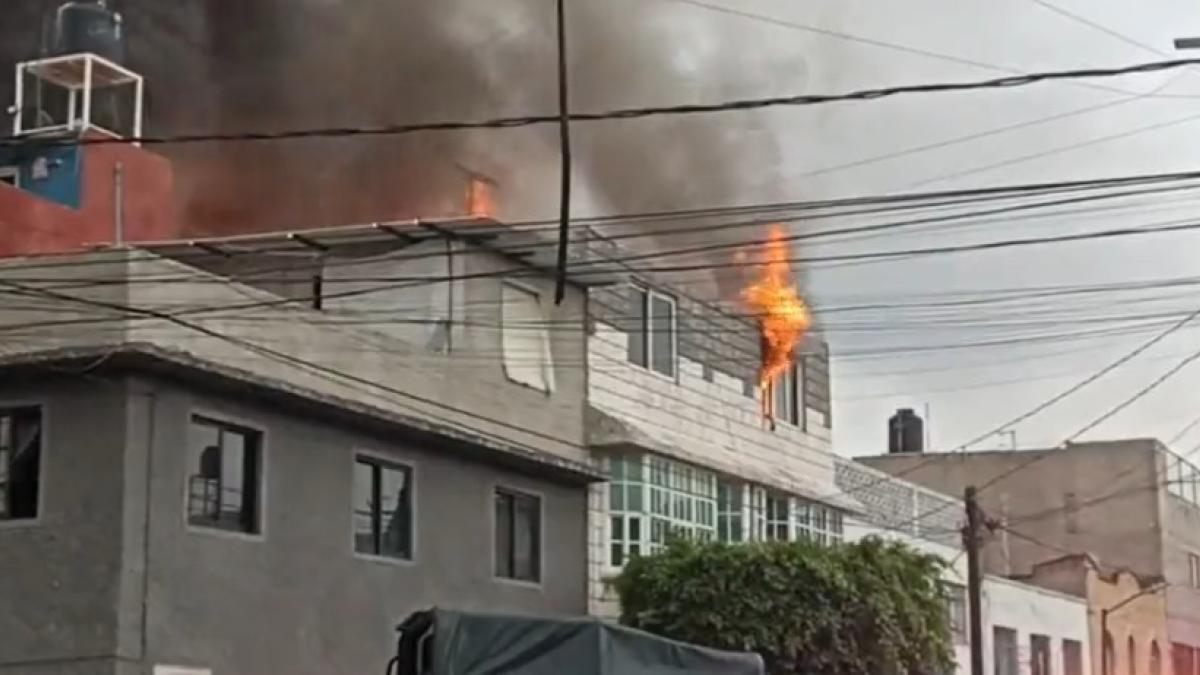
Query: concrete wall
(1112, 487)
(111, 575)
(465, 391)
(298, 600)
(1030, 610)
(59, 575)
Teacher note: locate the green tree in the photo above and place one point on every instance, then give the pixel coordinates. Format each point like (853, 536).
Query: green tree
(867, 608)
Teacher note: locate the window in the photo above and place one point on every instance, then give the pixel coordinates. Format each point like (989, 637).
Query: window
(777, 518)
(652, 499)
(383, 509)
(9, 175)
(1004, 651)
(652, 338)
(518, 536)
(626, 504)
(730, 516)
(837, 526)
(223, 487)
(1194, 570)
(784, 392)
(955, 596)
(525, 339)
(20, 462)
(1039, 655)
(1072, 657)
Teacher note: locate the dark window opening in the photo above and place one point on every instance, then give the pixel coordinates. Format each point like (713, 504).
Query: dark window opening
(20, 463)
(518, 536)
(225, 463)
(383, 509)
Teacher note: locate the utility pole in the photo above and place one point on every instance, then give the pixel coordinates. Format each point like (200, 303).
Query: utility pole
(972, 540)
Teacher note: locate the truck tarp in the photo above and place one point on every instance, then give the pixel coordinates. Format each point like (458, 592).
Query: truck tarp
(492, 644)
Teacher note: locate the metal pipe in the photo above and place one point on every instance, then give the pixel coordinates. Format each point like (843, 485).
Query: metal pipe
(119, 204)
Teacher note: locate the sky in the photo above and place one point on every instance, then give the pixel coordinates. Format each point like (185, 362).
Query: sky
(1097, 133)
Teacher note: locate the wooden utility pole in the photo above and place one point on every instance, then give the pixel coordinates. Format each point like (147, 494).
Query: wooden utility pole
(972, 541)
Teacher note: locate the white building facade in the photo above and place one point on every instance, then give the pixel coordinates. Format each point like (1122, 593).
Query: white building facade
(675, 417)
(1027, 630)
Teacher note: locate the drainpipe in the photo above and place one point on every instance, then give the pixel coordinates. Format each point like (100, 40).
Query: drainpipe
(119, 204)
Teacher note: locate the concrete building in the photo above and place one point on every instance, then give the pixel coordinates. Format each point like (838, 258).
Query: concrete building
(1130, 503)
(1127, 615)
(676, 415)
(257, 455)
(1027, 629)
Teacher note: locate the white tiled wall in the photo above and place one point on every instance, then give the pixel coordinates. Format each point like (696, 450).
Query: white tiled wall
(712, 424)
(715, 423)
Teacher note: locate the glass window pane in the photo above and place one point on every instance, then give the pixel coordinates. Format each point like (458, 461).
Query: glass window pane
(233, 464)
(633, 497)
(616, 555)
(504, 533)
(616, 496)
(395, 503)
(633, 468)
(635, 529)
(526, 544)
(364, 504)
(636, 330)
(20, 462)
(662, 335)
(618, 528)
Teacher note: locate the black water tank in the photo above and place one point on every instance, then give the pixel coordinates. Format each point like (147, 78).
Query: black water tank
(82, 26)
(906, 432)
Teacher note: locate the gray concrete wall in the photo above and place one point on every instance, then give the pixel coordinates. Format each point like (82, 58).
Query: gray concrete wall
(59, 574)
(1121, 527)
(298, 600)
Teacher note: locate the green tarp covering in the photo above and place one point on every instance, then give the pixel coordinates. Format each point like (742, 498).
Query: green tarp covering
(491, 644)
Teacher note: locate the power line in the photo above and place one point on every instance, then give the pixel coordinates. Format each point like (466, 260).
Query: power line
(1006, 82)
(874, 42)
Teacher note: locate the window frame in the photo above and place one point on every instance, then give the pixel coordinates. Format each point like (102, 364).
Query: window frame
(43, 408)
(549, 376)
(645, 330)
(795, 402)
(1193, 569)
(386, 460)
(235, 423)
(505, 488)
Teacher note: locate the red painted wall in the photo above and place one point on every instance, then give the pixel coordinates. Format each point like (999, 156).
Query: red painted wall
(30, 224)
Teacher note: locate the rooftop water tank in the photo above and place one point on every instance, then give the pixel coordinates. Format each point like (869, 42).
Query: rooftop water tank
(906, 432)
(82, 26)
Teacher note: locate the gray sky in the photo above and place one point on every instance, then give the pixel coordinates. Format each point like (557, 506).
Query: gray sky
(970, 390)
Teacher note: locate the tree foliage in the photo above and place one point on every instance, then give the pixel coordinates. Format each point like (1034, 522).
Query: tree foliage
(867, 608)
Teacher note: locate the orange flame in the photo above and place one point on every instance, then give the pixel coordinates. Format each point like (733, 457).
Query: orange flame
(481, 202)
(782, 315)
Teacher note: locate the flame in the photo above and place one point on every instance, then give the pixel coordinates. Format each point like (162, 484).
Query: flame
(481, 202)
(783, 317)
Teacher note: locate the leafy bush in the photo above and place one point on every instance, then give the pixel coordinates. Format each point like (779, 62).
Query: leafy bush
(868, 608)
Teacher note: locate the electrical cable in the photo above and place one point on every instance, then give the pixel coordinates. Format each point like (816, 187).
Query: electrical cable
(1006, 82)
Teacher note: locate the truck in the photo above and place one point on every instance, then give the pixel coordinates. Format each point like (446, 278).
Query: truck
(446, 642)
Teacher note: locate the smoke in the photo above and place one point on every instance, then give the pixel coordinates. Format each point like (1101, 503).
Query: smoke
(269, 65)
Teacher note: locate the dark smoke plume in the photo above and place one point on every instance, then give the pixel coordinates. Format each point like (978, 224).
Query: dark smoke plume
(251, 65)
